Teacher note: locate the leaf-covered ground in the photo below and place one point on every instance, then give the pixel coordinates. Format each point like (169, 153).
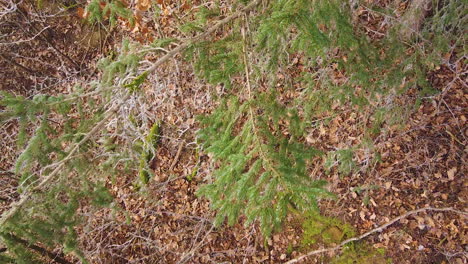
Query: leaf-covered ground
(422, 163)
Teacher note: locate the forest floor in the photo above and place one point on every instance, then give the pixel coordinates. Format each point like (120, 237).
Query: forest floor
(423, 163)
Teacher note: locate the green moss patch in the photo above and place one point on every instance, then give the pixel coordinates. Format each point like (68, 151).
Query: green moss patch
(329, 231)
(324, 230)
(361, 253)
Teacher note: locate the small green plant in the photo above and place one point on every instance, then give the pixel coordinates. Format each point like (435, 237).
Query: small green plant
(365, 190)
(149, 149)
(343, 159)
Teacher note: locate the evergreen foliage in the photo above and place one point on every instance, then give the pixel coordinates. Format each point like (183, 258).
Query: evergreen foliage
(260, 168)
(261, 171)
(201, 19)
(108, 9)
(217, 62)
(52, 216)
(343, 158)
(125, 64)
(51, 213)
(256, 139)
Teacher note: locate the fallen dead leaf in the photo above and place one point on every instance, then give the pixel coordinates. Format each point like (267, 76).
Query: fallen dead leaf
(451, 173)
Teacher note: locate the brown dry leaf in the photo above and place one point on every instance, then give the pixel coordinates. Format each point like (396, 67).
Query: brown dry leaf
(186, 6)
(322, 130)
(362, 215)
(143, 5)
(388, 185)
(81, 13)
(451, 173)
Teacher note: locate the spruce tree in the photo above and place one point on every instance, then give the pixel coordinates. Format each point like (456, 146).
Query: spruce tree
(261, 162)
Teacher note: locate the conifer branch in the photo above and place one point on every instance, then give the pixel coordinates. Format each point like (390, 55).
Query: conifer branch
(249, 93)
(376, 230)
(191, 41)
(27, 196)
(55, 257)
(111, 112)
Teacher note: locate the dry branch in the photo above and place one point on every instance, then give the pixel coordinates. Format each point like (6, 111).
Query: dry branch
(375, 230)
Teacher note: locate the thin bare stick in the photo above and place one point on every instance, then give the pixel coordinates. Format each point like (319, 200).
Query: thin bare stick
(376, 230)
(176, 159)
(25, 40)
(190, 254)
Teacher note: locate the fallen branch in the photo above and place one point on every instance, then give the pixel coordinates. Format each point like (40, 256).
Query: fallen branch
(25, 40)
(375, 230)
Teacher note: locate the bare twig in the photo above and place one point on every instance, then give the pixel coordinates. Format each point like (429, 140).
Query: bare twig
(8, 7)
(12, 61)
(25, 40)
(190, 254)
(176, 159)
(376, 230)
